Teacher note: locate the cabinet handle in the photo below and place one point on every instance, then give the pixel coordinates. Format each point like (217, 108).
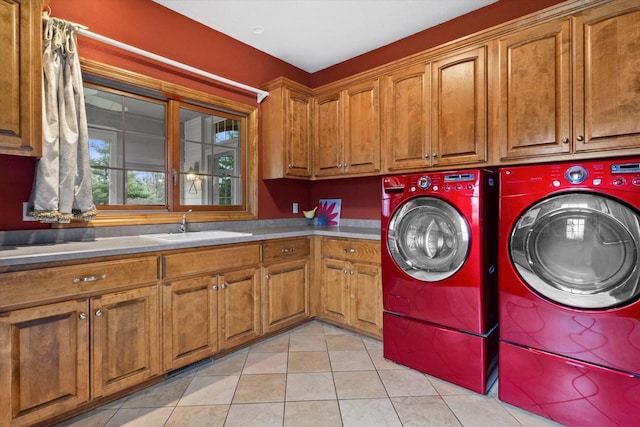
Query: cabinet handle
(82, 316)
(288, 250)
(565, 140)
(426, 156)
(434, 155)
(214, 287)
(89, 278)
(267, 276)
(339, 165)
(351, 273)
(223, 286)
(580, 138)
(345, 271)
(98, 313)
(350, 250)
(289, 166)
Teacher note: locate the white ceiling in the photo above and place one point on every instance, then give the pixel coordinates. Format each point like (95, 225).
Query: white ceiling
(316, 34)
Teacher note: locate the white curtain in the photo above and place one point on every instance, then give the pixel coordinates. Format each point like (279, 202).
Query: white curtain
(62, 188)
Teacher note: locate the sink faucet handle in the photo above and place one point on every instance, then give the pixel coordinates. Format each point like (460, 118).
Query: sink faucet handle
(183, 223)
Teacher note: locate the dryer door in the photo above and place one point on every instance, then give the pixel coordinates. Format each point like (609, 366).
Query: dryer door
(580, 250)
(428, 238)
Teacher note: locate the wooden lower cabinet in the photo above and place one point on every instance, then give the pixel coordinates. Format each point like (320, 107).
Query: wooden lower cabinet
(239, 307)
(351, 284)
(57, 356)
(125, 339)
(285, 290)
(190, 320)
(214, 310)
(44, 361)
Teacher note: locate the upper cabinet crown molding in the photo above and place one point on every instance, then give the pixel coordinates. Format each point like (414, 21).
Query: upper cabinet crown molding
(21, 82)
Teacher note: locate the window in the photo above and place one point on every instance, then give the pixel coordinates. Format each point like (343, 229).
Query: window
(157, 149)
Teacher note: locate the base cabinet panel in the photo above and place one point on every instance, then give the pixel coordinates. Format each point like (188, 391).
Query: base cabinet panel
(44, 362)
(190, 321)
(351, 284)
(239, 305)
(125, 340)
(286, 294)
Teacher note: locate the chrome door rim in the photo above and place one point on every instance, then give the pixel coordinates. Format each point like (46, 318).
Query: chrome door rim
(428, 239)
(604, 234)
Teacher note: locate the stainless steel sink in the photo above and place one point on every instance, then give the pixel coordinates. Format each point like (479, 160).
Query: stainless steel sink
(196, 235)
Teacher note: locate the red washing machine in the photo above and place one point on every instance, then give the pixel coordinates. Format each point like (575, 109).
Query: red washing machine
(438, 274)
(569, 291)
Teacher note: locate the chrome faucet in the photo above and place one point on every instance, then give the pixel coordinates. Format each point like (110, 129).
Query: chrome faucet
(183, 223)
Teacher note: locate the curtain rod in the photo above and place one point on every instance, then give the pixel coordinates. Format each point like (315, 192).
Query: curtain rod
(261, 94)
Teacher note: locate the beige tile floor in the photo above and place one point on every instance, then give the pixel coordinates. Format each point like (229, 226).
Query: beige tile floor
(314, 375)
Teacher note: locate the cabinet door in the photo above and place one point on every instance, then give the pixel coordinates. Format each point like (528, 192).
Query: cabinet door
(190, 319)
(362, 128)
(239, 307)
(406, 119)
(335, 290)
(459, 114)
(21, 80)
(44, 361)
(286, 299)
(607, 80)
(298, 128)
(125, 339)
(535, 102)
(365, 286)
(328, 128)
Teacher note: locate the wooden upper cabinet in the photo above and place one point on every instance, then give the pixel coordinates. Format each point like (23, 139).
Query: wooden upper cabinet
(607, 77)
(328, 128)
(21, 77)
(347, 130)
(459, 108)
(406, 119)
(535, 91)
(362, 128)
(286, 130)
(553, 102)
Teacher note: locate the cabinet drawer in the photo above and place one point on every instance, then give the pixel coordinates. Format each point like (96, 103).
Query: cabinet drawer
(285, 249)
(352, 250)
(210, 260)
(26, 288)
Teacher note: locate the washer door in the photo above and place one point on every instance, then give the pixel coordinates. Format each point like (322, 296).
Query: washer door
(579, 250)
(428, 238)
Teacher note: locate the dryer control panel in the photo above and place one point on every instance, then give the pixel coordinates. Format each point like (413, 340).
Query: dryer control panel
(609, 174)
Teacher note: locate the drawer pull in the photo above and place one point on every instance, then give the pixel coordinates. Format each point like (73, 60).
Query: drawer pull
(89, 278)
(350, 250)
(288, 250)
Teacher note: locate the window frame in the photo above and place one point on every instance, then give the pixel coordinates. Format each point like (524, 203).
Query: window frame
(190, 98)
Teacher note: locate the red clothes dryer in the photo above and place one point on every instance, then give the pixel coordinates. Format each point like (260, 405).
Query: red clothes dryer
(438, 274)
(569, 290)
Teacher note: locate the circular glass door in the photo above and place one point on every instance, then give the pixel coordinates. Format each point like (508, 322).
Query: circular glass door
(428, 238)
(580, 250)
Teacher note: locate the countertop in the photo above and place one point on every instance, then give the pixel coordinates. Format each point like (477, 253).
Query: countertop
(139, 244)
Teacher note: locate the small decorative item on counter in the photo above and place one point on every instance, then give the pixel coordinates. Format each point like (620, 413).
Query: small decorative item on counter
(329, 212)
(309, 215)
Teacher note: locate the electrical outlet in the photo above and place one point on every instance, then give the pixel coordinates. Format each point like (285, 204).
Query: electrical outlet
(25, 208)
(295, 207)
